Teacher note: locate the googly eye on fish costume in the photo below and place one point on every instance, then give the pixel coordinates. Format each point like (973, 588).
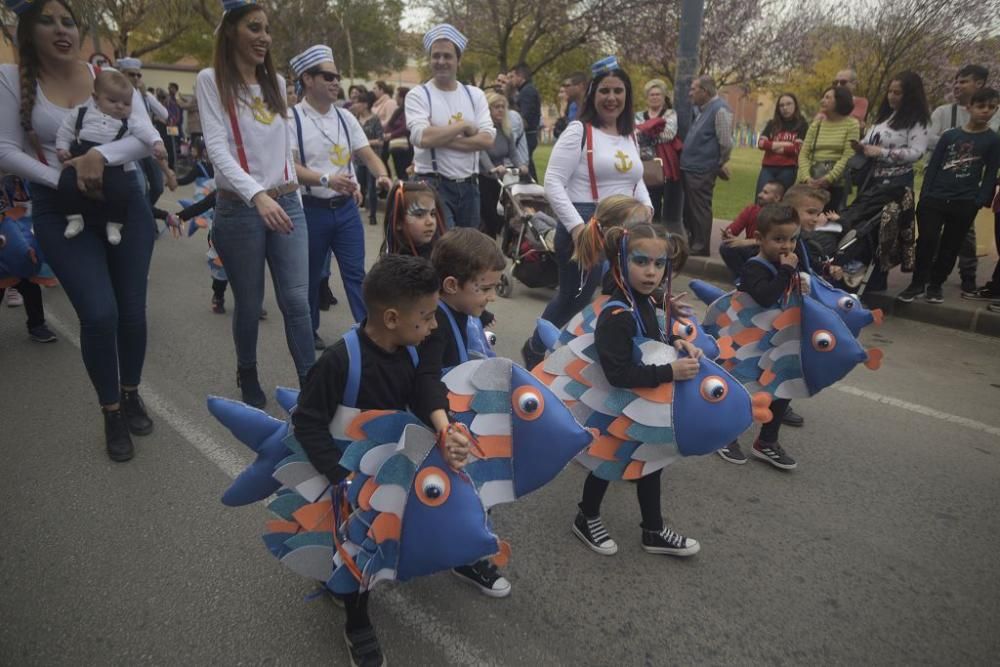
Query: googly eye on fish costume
(404, 511)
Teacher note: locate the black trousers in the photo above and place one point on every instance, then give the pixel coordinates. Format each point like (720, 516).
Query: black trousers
(942, 226)
(647, 490)
(489, 195)
(769, 431)
(32, 295)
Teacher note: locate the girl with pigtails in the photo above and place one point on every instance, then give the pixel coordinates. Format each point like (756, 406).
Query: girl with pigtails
(640, 257)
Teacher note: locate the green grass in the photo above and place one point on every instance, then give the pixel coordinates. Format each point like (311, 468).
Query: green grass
(730, 197)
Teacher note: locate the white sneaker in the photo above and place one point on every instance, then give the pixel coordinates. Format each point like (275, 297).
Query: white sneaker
(14, 298)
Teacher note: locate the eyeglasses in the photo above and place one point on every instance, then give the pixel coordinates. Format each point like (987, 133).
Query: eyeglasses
(134, 75)
(841, 82)
(329, 77)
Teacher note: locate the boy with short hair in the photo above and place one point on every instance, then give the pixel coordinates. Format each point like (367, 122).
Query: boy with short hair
(818, 235)
(468, 265)
(736, 251)
(959, 180)
(401, 297)
(765, 278)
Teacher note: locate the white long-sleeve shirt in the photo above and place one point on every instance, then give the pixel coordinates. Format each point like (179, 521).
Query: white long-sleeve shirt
(900, 148)
(156, 109)
(443, 108)
(100, 128)
(617, 168)
(18, 157)
(941, 122)
(265, 140)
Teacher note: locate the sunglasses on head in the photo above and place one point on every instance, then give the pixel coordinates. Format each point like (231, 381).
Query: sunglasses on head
(329, 77)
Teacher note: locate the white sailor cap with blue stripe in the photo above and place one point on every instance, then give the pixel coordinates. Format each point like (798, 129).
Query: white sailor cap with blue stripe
(128, 63)
(314, 55)
(445, 31)
(605, 65)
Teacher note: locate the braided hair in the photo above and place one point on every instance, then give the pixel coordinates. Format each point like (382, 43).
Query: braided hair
(29, 65)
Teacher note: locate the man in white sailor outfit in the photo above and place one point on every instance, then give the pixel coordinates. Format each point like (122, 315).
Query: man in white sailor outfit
(324, 139)
(449, 124)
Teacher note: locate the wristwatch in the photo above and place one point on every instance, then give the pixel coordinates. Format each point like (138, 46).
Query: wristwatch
(324, 180)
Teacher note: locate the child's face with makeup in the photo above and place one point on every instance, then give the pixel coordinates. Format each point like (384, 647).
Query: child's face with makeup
(417, 321)
(475, 295)
(647, 263)
(420, 224)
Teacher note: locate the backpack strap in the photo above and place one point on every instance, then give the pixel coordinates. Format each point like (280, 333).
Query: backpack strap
(298, 136)
(80, 115)
(770, 267)
(353, 383)
(463, 351)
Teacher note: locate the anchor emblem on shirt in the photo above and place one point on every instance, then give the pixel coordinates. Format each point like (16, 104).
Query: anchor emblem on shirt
(622, 162)
(261, 113)
(339, 155)
(455, 118)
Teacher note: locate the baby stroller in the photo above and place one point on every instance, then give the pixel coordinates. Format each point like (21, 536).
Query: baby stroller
(880, 234)
(527, 237)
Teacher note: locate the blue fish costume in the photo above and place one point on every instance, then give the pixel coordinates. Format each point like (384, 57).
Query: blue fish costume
(645, 429)
(793, 349)
(404, 512)
(21, 257)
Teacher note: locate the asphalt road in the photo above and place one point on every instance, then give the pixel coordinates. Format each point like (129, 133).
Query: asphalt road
(880, 549)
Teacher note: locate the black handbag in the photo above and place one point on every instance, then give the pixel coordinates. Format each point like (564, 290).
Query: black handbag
(860, 167)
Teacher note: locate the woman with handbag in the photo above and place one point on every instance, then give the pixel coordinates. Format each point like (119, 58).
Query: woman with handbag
(781, 142)
(827, 146)
(595, 157)
(659, 146)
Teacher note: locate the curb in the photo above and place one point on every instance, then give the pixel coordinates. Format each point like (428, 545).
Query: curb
(975, 320)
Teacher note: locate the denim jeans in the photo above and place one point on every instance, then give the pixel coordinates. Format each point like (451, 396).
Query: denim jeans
(244, 243)
(154, 179)
(461, 200)
(339, 230)
(784, 175)
(106, 285)
(575, 290)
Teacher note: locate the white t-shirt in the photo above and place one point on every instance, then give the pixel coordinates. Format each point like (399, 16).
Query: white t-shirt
(100, 128)
(18, 157)
(328, 147)
(617, 168)
(444, 108)
(265, 140)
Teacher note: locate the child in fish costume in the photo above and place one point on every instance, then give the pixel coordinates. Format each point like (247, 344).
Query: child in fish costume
(633, 383)
(367, 492)
(778, 335)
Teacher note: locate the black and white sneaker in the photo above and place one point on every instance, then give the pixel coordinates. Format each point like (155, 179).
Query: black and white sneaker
(792, 418)
(484, 576)
(363, 648)
(934, 294)
(593, 533)
(773, 453)
(981, 294)
(668, 542)
(910, 293)
(733, 454)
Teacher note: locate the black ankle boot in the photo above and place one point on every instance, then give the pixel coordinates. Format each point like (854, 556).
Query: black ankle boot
(116, 436)
(246, 380)
(134, 410)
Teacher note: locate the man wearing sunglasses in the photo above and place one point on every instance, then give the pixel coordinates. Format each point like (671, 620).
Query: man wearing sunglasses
(325, 138)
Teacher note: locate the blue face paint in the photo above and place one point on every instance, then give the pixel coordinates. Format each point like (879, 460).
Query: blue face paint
(642, 261)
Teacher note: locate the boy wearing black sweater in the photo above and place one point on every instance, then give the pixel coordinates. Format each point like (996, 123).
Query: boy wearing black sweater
(959, 180)
(468, 265)
(765, 278)
(401, 296)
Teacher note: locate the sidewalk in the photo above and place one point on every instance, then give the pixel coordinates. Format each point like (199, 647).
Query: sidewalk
(955, 312)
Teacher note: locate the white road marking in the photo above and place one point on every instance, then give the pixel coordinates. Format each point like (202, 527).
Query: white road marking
(919, 409)
(407, 612)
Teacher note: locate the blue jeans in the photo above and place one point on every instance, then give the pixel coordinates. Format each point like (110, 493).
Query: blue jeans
(106, 285)
(784, 175)
(339, 230)
(244, 243)
(575, 291)
(154, 179)
(461, 200)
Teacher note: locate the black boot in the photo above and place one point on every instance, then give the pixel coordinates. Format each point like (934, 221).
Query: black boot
(246, 380)
(134, 409)
(116, 436)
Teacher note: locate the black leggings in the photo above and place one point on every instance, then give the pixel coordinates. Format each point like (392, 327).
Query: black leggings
(647, 489)
(356, 607)
(769, 431)
(32, 295)
(219, 287)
